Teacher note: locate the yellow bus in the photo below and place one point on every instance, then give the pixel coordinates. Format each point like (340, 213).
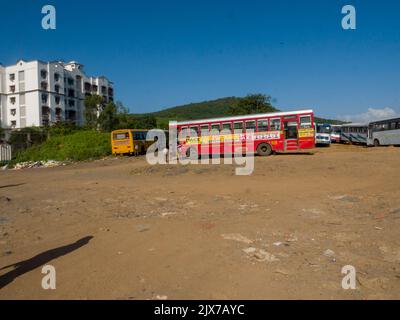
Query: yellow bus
(129, 141)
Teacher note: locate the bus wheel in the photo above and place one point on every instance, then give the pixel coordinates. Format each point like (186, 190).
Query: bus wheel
(192, 154)
(264, 149)
(376, 143)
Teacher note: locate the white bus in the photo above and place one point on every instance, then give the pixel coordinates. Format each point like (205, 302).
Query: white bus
(335, 134)
(354, 133)
(323, 134)
(384, 133)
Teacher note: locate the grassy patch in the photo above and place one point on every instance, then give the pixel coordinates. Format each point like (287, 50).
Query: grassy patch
(77, 146)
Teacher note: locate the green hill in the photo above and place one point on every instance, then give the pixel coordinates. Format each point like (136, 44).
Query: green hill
(202, 110)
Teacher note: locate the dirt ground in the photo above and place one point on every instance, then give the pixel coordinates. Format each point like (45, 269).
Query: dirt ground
(119, 228)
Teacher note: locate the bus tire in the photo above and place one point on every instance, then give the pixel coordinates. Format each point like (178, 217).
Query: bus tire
(192, 154)
(264, 149)
(376, 143)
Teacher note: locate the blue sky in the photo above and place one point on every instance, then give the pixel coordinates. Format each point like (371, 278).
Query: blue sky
(166, 53)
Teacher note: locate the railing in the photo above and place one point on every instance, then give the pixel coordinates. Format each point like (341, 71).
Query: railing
(5, 152)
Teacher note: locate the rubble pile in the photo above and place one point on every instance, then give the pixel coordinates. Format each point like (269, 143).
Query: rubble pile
(39, 164)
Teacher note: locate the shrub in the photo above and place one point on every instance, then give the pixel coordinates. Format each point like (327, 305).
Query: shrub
(80, 145)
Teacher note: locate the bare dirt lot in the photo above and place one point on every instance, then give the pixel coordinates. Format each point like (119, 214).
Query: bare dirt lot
(122, 229)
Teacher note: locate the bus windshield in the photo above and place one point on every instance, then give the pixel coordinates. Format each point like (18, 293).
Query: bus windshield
(323, 128)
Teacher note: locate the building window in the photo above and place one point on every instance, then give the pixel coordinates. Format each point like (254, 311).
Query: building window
(104, 90)
(12, 76)
(13, 124)
(87, 86)
(57, 88)
(110, 91)
(13, 112)
(12, 88)
(71, 93)
(44, 98)
(71, 103)
(12, 100)
(56, 77)
(22, 86)
(95, 88)
(43, 74)
(70, 81)
(43, 85)
(57, 99)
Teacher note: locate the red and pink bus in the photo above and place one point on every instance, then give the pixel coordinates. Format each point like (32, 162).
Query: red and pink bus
(270, 132)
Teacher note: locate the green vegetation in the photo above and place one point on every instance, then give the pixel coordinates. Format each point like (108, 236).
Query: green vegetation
(254, 103)
(206, 109)
(76, 146)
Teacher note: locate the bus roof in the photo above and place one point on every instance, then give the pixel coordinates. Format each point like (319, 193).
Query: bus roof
(386, 120)
(244, 117)
(355, 125)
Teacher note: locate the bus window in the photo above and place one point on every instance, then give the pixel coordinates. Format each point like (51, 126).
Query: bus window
(238, 125)
(215, 127)
(204, 130)
(305, 122)
(276, 124)
(227, 126)
(250, 125)
(121, 136)
(194, 131)
(139, 135)
(262, 125)
(184, 132)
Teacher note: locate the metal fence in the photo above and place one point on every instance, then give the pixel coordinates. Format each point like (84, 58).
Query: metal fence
(5, 152)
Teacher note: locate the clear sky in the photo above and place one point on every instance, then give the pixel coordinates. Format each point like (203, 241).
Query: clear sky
(166, 53)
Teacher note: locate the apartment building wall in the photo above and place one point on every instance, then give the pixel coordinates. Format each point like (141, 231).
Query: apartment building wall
(38, 93)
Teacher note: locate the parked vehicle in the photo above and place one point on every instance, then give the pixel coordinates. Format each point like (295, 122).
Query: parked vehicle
(281, 131)
(129, 141)
(335, 133)
(323, 134)
(354, 133)
(384, 133)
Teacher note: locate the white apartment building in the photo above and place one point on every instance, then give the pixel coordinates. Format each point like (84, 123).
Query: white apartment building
(37, 93)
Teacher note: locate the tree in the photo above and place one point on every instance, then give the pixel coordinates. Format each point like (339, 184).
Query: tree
(252, 103)
(108, 119)
(93, 107)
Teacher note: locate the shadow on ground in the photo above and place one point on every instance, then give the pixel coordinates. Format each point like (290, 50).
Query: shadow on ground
(39, 260)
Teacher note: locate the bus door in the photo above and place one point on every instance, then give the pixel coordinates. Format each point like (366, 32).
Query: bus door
(291, 133)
